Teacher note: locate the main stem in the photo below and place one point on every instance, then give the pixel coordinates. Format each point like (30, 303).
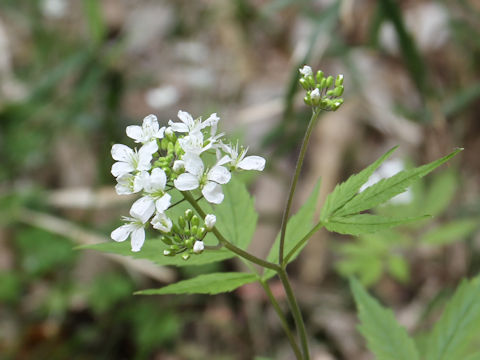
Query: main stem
(283, 320)
(293, 185)
(297, 315)
(225, 242)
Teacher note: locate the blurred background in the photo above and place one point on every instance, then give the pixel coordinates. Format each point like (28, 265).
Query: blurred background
(74, 74)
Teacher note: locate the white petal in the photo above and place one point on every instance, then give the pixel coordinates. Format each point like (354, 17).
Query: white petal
(121, 152)
(193, 164)
(150, 122)
(252, 163)
(135, 132)
(213, 193)
(121, 168)
(138, 238)
(125, 185)
(143, 209)
(158, 179)
(219, 174)
(145, 155)
(186, 181)
(198, 247)
(163, 203)
(141, 181)
(149, 148)
(186, 118)
(224, 160)
(162, 222)
(178, 127)
(121, 233)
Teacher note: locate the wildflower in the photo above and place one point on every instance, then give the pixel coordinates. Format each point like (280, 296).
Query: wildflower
(154, 198)
(189, 125)
(128, 184)
(162, 222)
(210, 181)
(239, 160)
(134, 228)
(129, 160)
(315, 94)
(210, 221)
(147, 132)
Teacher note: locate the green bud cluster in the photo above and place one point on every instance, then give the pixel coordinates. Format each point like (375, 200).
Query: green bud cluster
(184, 234)
(170, 150)
(323, 92)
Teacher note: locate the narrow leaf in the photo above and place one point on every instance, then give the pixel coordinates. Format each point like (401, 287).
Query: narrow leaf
(365, 223)
(385, 337)
(451, 232)
(205, 284)
(387, 188)
(297, 227)
(459, 322)
(345, 191)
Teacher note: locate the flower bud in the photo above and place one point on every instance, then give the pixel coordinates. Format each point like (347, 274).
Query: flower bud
(178, 165)
(323, 84)
(210, 221)
(181, 222)
(339, 80)
(170, 148)
(168, 253)
(163, 144)
(201, 232)
(320, 76)
(315, 95)
(194, 230)
(188, 214)
(329, 81)
(185, 257)
(169, 134)
(166, 240)
(198, 247)
(195, 220)
(304, 83)
(311, 81)
(338, 90)
(306, 71)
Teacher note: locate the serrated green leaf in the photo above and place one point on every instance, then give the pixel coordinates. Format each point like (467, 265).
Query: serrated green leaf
(385, 337)
(345, 191)
(205, 284)
(451, 232)
(458, 323)
(297, 227)
(365, 223)
(387, 188)
(236, 215)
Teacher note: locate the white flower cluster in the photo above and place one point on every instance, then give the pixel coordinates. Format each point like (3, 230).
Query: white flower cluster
(172, 158)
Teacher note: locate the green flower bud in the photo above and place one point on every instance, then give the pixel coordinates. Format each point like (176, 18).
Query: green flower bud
(186, 231)
(201, 231)
(310, 80)
(195, 220)
(307, 100)
(166, 240)
(330, 93)
(304, 83)
(178, 149)
(170, 148)
(175, 229)
(181, 222)
(189, 242)
(168, 253)
(177, 239)
(338, 90)
(164, 144)
(329, 81)
(320, 76)
(170, 135)
(194, 230)
(339, 80)
(323, 84)
(175, 247)
(188, 214)
(185, 257)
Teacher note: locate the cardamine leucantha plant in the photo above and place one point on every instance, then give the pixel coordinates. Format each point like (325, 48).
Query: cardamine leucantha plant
(193, 210)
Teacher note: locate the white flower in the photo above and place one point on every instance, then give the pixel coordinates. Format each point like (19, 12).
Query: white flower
(238, 160)
(210, 221)
(388, 169)
(198, 247)
(315, 94)
(189, 125)
(155, 198)
(162, 222)
(128, 184)
(306, 71)
(147, 132)
(129, 160)
(209, 182)
(134, 228)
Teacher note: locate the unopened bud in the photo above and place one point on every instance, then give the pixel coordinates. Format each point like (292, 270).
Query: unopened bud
(329, 81)
(188, 214)
(320, 76)
(306, 71)
(339, 80)
(338, 90)
(185, 257)
(210, 221)
(168, 252)
(195, 220)
(198, 247)
(304, 83)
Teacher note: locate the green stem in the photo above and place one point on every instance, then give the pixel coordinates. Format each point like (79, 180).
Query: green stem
(283, 320)
(293, 185)
(297, 315)
(225, 242)
(300, 243)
